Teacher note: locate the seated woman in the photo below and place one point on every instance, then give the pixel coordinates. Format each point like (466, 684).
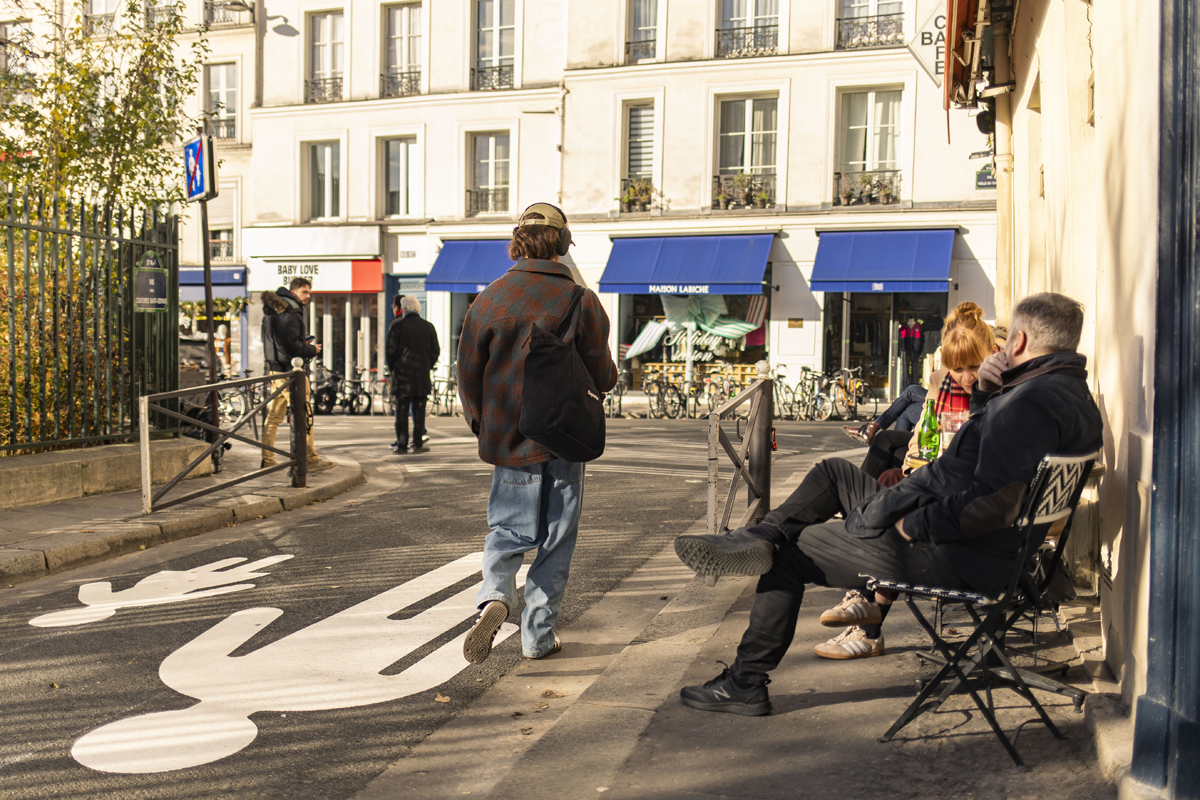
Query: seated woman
(966, 341)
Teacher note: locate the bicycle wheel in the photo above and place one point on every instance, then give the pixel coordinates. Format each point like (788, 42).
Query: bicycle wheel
(785, 401)
(231, 404)
(841, 402)
(820, 408)
(673, 402)
(324, 400)
(868, 402)
(389, 403)
(360, 402)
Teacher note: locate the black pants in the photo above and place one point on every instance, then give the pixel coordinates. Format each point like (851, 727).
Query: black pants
(887, 452)
(417, 406)
(820, 551)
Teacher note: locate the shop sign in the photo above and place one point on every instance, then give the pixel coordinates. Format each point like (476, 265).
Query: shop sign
(876, 287)
(985, 178)
(795, 323)
(326, 275)
(929, 45)
(670, 288)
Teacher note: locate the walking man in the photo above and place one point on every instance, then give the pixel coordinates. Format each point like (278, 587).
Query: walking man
(412, 350)
(536, 498)
(285, 337)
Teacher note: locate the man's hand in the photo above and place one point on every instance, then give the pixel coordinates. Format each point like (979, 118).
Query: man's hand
(900, 530)
(318, 347)
(989, 371)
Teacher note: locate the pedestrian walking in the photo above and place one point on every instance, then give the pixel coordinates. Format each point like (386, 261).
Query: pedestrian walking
(411, 352)
(285, 336)
(536, 497)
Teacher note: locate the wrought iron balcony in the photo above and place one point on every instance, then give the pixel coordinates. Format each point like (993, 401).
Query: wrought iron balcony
(487, 201)
(761, 40)
(743, 191)
(220, 249)
(400, 84)
(886, 30)
(873, 187)
(487, 78)
(218, 12)
(159, 15)
(638, 49)
(637, 194)
(98, 24)
(323, 90)
(223, 127)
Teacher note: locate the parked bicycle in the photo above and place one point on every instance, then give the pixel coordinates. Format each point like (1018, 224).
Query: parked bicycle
(721, 386)
(443, 396)
(666, 402)
(612, 401)
(335, 391)
(811, 396)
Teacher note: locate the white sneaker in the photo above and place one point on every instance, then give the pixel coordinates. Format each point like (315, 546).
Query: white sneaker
(851, 643)
(856, 608)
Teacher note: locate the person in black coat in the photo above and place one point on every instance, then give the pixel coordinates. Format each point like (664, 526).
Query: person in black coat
(948, 524)
(412, 350)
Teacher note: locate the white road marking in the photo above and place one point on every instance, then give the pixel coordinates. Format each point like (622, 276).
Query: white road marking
(333, 663)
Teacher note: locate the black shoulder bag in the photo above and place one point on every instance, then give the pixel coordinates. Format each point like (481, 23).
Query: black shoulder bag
(560, 407)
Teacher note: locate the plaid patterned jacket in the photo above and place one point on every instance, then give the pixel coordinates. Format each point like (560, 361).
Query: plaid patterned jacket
(491, 353)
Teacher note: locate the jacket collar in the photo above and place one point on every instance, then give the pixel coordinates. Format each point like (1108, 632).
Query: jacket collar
(1073, 364)
(287, 296)
(545, 267)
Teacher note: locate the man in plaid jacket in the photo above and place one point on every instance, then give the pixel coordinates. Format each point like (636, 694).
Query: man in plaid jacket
(528, 478)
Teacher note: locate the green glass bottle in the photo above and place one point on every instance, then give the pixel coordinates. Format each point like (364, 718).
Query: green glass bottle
(928, 435)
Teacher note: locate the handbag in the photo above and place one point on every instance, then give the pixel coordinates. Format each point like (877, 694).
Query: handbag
(561, 409)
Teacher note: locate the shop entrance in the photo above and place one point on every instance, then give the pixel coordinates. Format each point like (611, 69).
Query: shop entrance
(892, 336)
(344, 325)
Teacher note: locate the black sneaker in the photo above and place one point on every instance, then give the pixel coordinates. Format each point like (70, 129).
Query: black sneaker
(723, 694)
(738, 552)
(478, 644)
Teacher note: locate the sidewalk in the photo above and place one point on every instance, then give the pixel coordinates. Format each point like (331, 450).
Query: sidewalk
(44, 539)
(603, 718)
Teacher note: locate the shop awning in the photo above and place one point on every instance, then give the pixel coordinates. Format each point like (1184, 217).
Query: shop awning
(228, 283)
(883, 261)
(468, 265)
(687, 265)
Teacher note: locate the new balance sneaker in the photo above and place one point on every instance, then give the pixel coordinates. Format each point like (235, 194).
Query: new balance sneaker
(737, 552)
(856, 608)
(851, 643)
(478, 644)
(724, 694)
(554, 648)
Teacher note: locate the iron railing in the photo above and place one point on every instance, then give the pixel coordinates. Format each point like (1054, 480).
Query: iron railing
(400, 84)
(159, 15)
(885, 30)
(220, 249)
(486, 78)
(98, 24)
(223, 127)
(751, 462)
(761, 40)
(218, 12)
(74, 353)
(323, 90)
(743, 191)
(637, 49)
(294, 382)
(873, 187)
(637, 194)
(487, 201)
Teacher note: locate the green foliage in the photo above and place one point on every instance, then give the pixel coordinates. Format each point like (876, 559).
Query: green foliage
(95, 108)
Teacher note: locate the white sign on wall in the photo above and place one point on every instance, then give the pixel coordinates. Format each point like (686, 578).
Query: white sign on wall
(326, 276)
(929, 45)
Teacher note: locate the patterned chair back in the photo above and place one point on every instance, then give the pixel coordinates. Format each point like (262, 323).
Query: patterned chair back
(1056, 488)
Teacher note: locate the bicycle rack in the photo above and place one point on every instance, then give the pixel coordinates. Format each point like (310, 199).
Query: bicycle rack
(752, 462)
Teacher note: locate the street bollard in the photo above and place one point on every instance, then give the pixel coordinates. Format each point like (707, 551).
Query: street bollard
(299, 402)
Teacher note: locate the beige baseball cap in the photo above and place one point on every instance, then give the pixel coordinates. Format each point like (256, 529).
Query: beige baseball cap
(550, 216)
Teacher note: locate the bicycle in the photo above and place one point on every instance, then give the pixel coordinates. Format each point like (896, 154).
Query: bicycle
(721, 386)
(866, 401)
(811, 393)
(665, 400)
(337, 391)
(785, 396)
(612, 401)
(443, 396)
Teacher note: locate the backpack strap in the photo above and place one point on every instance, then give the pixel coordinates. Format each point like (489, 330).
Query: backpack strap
(572, 309)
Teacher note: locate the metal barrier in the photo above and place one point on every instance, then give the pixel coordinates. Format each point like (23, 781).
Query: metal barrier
(752, 463)
(293, 382)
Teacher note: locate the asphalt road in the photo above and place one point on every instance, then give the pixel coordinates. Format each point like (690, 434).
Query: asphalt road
(339, 653)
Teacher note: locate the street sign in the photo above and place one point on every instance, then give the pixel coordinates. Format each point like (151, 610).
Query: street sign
(929, 45)
(150, 285)
(200, 169)
(985, 178)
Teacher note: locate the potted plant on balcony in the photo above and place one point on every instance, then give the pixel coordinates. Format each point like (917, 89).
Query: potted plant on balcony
(760, 199)
(867, 190)
(643, 194)
(743, 184)
(885, 192)
(845, 190)
(722, 198)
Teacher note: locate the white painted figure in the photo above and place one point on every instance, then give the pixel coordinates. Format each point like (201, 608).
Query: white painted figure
(334, 663)
(169, 586)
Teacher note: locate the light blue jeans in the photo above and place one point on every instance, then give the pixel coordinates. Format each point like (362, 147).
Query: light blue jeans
(532, 507)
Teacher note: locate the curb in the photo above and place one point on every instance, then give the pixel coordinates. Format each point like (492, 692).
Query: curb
(103, 541)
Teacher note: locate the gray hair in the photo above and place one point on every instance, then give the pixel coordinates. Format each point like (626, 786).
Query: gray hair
(410, 303)
(1052, 322)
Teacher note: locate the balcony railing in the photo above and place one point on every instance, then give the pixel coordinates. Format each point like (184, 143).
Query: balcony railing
(873, 187)
(886, 30)
(223, 127)
(159, 15)
(761, 40)
(487, 201)
(638, 49)
(743, 191)
(400, 84)
(323, 90)
(218, 12)
(637, 194)
(98, 24)
(486, 78)
(220, 249)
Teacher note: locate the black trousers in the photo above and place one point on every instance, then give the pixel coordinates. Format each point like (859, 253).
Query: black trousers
(818, 550)
(416, 406)
(887, 452)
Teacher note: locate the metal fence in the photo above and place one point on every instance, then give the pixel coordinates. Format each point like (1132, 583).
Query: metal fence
(74, 354)
(752, 461)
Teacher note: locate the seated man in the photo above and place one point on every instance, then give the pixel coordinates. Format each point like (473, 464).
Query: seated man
(946, 525)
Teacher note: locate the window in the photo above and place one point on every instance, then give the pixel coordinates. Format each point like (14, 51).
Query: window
(221, 80)
(402, 72)
(489, 179)
(220, 244)
(495, 41)
(325, 59)
(637, 187)
(870, 144)
(324, 180)
(99, 16)
(397, 183)
(158, 13)
(223, 12)
(748, 28)
(643, 30)
(870, 23)
(746, 153)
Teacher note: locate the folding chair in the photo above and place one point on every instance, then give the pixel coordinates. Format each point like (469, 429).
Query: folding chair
(1052, 496)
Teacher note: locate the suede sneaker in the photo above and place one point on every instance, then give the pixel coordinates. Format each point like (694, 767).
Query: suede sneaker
(724, 694)
(737, 552)
(851, 643)
(856, 608)
(554, 648)
(320, 464)
(478, 644)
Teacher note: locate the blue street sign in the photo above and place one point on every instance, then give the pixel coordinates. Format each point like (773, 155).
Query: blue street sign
(200, 169)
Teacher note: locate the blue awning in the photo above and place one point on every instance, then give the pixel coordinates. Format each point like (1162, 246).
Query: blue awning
(883, 261)
(469, 265)
(687, 265)
(226, 276)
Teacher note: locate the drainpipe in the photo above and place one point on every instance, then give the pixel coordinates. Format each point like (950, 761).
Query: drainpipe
(1004, 179)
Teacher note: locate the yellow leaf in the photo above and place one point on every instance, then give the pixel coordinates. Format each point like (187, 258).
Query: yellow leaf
(438, 697)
